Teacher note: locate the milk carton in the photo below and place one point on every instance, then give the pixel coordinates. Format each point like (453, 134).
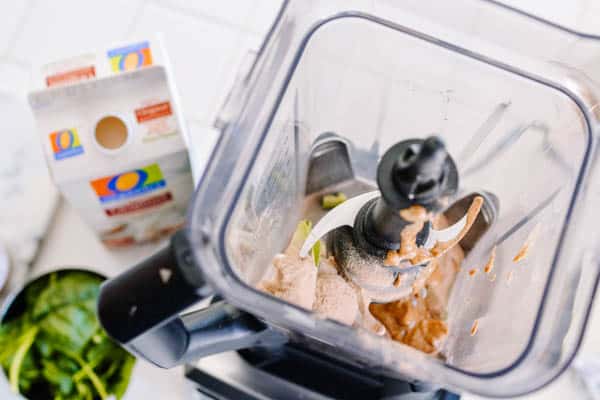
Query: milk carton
(114, 141)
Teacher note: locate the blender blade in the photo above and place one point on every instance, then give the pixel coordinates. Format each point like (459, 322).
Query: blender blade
(445, 235)
(345, 215)
(342, 215)
(415, 178)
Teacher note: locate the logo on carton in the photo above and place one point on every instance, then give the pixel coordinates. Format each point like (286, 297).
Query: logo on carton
(129, 184)
(130, 57)
(153, 111)
(139, 205)
(65, 144)
(74, 75)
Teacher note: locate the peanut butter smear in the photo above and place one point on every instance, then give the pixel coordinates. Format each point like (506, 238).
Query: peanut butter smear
(529, 242)
(490, 264)
(441, 247)
(417, 215)
(474, 327)
(419, 321)
(419, 255)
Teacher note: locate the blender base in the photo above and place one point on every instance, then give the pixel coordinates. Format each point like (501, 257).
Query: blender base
(292, 373)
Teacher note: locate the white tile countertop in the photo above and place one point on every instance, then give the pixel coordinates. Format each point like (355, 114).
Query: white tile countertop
(206, 41)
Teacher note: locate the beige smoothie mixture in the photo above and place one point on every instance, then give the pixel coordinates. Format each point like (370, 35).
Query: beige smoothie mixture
(418, 320)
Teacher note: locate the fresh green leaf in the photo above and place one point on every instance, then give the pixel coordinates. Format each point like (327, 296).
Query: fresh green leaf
(90, 305)
(99, 337)
(113, 367)
(58, 377)
(69, 328)
(34, 289)
(100, 355)
(10, 333)
(99, 351)
(316, 252)
(84, 391)
(23, 347)
(57, 344)
(29, 372)
(301, 233)
(330, 201)
(43, 346)
(124, 377)
(75, 287)
(96, 382)
(67, 364)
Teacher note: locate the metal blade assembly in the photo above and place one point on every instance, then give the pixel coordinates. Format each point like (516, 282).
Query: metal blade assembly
(416, 178)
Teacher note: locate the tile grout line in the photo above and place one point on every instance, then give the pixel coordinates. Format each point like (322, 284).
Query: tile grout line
(240, 32)
(10, 60)
(17, 32)
(133, 23)
(214, 20)
(228, 82)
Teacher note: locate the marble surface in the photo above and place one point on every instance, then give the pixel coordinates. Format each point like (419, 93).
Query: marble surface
(28, 195)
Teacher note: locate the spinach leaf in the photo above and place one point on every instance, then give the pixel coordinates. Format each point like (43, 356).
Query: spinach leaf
(69, 327)
(124, 376)
(43, 345)
(10, 333)
(84, 391)
(61, 379)
(75, 287)
(25, 343)
(57, 346)
(100, 350)
(29, 372)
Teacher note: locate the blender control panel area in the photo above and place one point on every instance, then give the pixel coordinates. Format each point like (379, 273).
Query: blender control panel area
(289, 199)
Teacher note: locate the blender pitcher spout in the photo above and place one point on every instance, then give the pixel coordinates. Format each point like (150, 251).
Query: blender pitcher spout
(140, 310)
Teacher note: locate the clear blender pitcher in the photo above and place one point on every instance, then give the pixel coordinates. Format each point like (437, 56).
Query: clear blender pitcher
(514, 99)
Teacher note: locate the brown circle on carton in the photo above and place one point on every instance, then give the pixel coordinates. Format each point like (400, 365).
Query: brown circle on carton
(111, 132)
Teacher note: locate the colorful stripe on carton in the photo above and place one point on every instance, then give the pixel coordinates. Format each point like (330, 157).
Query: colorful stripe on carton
(130, 58)
(71, 76)
(129, 184)
(153, 111)
(140, 205)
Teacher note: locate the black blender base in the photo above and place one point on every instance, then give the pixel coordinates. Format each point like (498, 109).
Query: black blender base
(291, 373)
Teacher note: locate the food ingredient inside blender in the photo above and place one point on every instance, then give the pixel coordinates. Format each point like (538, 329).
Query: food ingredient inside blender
(290, 277)
(489, 266)
(330, 201)
(524, 250)
(418, 320)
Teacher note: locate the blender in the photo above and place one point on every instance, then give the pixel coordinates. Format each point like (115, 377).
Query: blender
(335, 87)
